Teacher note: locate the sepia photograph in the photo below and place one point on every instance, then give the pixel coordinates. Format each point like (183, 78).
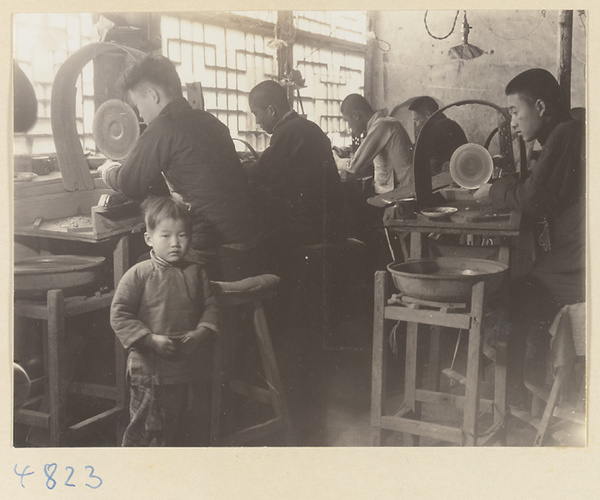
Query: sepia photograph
(297, 230)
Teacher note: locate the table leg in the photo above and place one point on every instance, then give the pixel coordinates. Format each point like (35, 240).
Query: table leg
(379, 361)
(410, 378)
(417, 245)
(473, 359)
(504, 254)
(120, 267)
(433, 378)
(55, 365)
(120, 259)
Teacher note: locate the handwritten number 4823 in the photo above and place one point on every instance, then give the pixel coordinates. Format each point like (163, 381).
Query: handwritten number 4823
(49, 471)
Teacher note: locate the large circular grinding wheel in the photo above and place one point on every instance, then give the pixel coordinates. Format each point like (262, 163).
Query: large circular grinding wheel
(115, 129)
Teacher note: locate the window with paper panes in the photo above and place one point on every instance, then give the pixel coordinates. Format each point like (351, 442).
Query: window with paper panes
(228, 61)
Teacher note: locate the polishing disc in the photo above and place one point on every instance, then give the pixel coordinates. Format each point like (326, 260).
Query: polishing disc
(115, 129)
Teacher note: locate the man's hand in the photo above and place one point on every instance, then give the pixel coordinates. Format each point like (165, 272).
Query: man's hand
(341, 152)
(341, 163)
(106, 167)
(482, 195)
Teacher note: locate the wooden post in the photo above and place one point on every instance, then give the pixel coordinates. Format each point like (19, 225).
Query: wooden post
(564, 55)
(285, 54)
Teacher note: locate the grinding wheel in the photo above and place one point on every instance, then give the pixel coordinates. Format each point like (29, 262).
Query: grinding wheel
(115, 129)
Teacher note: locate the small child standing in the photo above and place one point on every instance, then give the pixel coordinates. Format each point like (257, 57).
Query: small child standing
(163, 309)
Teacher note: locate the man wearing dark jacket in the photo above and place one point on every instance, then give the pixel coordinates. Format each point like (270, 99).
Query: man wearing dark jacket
(553, 197)
(295, 179)
(442, 136)
(190, 154)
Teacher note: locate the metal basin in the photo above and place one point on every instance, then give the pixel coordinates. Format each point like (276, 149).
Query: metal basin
(34, 276)
(446, 279)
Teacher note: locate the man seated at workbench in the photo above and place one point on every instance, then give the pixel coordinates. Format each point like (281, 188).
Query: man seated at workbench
(386, 144)
(295, 180)
(552, 196)
(189, 153)
(442, 137)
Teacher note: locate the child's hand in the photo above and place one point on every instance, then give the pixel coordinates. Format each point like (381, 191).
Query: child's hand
(192, 340)
(162, 345)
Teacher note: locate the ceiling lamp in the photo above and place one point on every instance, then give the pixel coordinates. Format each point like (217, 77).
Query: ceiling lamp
(465, 51)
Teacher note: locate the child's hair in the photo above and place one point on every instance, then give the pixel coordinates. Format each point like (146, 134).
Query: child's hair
(157, 69)
(158, 208)
(538, 83)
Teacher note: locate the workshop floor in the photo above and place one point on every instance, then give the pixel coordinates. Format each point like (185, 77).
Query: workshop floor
(328, 388)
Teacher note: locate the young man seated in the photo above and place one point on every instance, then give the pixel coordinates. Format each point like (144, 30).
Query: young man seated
(552, 200)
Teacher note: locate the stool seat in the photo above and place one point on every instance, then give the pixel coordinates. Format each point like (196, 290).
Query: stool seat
(253, 288)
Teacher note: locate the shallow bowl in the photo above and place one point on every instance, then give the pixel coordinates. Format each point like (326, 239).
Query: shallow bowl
(446, 279)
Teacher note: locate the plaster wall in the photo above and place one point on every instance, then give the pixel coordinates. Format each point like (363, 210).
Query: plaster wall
(417, 64)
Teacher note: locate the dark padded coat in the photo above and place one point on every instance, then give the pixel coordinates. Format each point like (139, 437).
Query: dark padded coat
(194, 152)
(554, 190)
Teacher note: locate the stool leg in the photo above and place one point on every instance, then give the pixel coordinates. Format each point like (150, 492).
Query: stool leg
(379, 361)
(55, 368)
(543, 427)
(271, 371)
(216, 390)
(473, 360)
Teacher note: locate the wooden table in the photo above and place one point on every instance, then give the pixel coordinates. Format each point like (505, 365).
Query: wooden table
(506, 227)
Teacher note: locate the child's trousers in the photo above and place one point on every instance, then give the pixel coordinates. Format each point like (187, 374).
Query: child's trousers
(168, 415)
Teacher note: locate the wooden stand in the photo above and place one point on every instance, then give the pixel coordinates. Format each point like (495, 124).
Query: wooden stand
(56, 389)
(407, 418)
(53, 312)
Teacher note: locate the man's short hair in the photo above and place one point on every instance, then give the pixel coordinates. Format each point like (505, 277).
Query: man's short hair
(356, 102)
(538, 83)
(157, 70)
(269, 92)
(158, 208)
(424, 104)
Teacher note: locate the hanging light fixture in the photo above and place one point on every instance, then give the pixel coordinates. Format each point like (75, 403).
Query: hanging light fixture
(465, 51)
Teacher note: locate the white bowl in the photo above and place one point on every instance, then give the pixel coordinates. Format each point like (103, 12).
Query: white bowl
(471, 165)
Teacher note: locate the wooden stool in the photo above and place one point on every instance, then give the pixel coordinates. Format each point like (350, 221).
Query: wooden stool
(567, 353)
(322, 258)
(407, 418)
(250, 292)
(53, 386)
